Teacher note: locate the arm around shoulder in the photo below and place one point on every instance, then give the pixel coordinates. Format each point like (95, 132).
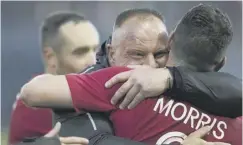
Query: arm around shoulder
(47, 91)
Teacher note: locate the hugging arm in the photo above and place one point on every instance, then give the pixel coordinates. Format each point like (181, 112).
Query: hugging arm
(221, 92)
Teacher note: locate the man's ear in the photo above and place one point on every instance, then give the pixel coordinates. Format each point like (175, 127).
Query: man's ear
(49, 57)
(111, 53)
(170, 41)
(220, 65)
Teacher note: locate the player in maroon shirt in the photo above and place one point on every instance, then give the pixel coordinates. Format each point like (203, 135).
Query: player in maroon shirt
(152, 121)
(160, 120)
(28, 123)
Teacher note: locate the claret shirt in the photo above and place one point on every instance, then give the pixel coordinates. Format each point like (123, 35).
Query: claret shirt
(27, 122)
(160, 120)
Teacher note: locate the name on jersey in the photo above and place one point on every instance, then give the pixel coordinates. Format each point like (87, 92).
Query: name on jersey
(190, 116)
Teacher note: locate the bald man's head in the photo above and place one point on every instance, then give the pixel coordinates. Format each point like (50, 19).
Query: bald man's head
(139, 37)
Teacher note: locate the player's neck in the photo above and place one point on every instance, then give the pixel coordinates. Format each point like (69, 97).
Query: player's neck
(49, 71)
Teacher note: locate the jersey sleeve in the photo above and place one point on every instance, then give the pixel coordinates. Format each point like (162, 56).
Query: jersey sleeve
(28, 122)
(88, 91)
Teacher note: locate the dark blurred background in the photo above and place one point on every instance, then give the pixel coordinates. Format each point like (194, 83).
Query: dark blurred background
(20, 23)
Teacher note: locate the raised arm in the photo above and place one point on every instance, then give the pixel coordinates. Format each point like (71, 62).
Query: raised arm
(47, 91)
(78, 91)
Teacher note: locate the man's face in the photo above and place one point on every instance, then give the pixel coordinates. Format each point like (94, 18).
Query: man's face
(78, 50)
(139, 43)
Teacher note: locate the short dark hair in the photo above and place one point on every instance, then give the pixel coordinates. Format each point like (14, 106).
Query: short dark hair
(51, 25)
(122, 17)
(202, 36)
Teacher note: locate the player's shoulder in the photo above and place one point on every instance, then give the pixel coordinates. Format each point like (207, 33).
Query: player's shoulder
(103, 74)
(239, 118)
(91, 68)
(17, 103)
(116, 69)
(111, 71)
(236, 123)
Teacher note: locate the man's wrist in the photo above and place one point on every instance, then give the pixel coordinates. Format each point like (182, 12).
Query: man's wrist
(177, 85)
(169, 78)
(173, 78)
(166, 73)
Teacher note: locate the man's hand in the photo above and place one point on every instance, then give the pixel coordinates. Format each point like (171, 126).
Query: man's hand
(140, 83)
(195, 138)
(66, 140)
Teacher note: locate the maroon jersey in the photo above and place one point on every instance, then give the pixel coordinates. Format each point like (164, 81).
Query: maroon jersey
(28, 122)
(153, 121)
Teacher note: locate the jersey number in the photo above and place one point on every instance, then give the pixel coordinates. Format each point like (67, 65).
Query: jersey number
(171, 137)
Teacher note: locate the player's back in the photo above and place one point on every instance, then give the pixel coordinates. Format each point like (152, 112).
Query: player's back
(158, 121)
